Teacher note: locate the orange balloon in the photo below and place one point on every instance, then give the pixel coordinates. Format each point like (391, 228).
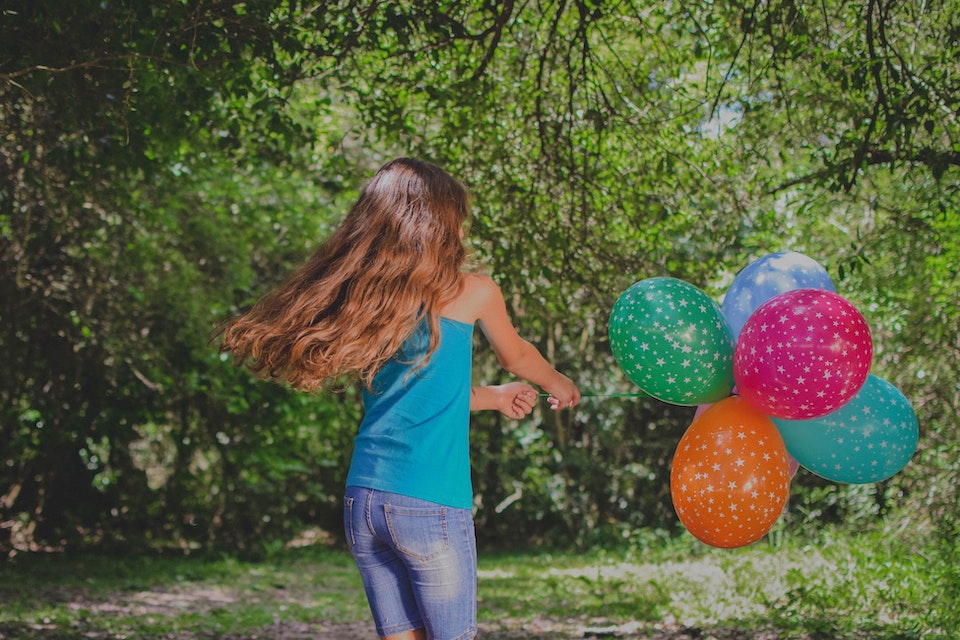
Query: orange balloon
(730, 476)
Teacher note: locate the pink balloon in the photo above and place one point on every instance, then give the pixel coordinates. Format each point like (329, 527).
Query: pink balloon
(701, 408)
(793, 467)
(802, 354)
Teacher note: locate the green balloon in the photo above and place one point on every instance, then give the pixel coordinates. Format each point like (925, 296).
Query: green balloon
(671, 340)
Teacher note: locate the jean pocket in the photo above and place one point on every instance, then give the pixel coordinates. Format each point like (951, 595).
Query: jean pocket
(418, 532)
(348, 531)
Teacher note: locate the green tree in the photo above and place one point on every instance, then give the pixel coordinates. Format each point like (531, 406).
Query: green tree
(147, 154)
(163, 164)
(610, 141)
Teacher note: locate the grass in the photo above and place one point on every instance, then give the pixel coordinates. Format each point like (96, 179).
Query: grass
(842, 587)
(147, 597)
(863, 587)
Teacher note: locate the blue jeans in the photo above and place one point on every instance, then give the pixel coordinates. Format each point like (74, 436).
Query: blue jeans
(418, 562)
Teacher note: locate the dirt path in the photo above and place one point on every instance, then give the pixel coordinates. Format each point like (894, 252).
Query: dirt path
(536, 629)
(528, 630)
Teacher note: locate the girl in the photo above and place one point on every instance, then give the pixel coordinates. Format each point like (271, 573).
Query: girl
(384, 300)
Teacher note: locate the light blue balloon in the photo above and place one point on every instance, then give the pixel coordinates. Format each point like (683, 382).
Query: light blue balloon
(767, 277)
(868, 439)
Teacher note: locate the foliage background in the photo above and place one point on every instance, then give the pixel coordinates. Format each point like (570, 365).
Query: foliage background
(164, 163)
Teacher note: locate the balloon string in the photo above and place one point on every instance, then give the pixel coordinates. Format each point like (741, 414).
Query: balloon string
(603, 395)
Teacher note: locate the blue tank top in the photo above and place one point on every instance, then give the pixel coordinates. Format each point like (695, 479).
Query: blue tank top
(413, 439)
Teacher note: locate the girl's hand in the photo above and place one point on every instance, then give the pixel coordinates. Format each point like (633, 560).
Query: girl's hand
(563, 394)
(515, 399)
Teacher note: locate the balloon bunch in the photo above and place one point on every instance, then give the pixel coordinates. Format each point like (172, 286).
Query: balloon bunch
(781, 378)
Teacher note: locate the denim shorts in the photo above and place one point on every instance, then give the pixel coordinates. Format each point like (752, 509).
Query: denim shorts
(418, 562)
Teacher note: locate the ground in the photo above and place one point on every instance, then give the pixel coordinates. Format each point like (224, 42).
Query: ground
(537, 630)
(172, 601)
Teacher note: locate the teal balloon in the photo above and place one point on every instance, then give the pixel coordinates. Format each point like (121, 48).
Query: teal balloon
(870, 438)
(671, 340)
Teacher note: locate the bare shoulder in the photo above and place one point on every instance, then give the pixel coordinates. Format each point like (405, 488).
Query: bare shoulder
(479, 291)
(480, 284)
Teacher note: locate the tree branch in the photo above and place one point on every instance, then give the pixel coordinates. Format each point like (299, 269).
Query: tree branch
(872, 157)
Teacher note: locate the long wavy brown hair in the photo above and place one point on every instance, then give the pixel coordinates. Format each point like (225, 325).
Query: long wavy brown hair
(394, 261)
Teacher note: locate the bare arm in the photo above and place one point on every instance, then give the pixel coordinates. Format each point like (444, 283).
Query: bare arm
(515, 354)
